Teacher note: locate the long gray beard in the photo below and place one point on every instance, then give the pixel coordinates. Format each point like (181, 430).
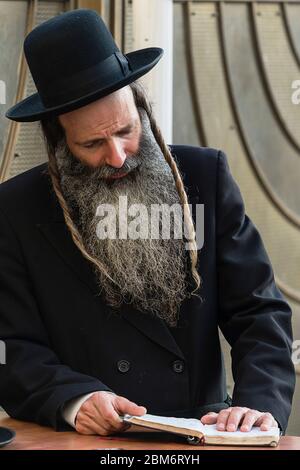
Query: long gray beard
(148, 273)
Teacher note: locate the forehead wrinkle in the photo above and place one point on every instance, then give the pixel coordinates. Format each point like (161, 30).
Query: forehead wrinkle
(108, 128)
(117, 126)
(118, 111)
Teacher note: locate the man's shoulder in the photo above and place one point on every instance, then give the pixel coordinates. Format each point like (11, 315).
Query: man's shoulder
(193, 157)
(193, 151)
(25, 189)
(197, 165)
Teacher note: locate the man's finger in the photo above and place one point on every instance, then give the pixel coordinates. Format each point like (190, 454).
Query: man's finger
(100, 430)
(124, 406)
(234, 418)
(267, 422)
(249, 420)
(112, 419)
(103, 427)
(102, 412)
(222, 419)
(209, 418)
(95, 408)
(88, 426)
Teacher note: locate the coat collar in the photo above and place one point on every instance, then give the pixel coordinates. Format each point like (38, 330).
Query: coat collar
(57, 234)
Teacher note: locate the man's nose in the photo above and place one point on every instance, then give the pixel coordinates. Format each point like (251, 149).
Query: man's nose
(116, 153)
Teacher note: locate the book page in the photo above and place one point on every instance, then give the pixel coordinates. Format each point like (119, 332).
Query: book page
(211, 430)
(185, 423)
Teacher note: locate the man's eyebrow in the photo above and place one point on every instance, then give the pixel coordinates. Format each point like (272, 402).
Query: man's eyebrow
(121, 131)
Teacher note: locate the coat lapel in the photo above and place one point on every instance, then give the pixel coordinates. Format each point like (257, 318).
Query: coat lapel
(58, 235)
(152, 327)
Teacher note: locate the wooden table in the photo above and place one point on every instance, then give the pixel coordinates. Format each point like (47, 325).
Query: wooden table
(31, 436)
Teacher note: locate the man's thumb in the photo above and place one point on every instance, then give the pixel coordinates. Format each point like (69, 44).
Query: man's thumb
(134, 409)
(128, 407)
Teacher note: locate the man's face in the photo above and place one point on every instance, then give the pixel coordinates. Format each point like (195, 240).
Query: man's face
(104, 132)
(147, 273)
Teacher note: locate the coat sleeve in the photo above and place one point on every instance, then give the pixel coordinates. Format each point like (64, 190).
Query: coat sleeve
(34, 385)
(253, 314)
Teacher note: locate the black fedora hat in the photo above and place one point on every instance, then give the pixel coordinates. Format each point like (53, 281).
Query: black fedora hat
(74, 60)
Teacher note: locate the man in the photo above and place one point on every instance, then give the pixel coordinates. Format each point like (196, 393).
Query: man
(98, 326)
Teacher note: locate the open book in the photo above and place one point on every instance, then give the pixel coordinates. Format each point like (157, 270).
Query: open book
(198, 433)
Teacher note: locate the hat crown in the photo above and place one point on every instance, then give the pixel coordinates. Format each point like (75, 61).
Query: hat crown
(74, 60)
(66, 45)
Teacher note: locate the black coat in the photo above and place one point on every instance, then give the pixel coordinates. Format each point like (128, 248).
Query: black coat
(63, 341)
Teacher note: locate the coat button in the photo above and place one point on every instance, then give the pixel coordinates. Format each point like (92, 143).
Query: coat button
(178, 366)
(123, 366)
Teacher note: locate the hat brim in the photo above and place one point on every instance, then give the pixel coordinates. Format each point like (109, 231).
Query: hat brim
(6, 436)
(32, 109)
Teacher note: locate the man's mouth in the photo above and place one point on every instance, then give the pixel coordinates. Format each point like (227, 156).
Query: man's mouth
(121, 175)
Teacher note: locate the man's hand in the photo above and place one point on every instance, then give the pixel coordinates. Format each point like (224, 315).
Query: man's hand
(100, 414)
(231, 418)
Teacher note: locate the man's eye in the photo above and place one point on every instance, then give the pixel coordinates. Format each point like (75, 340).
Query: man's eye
(94, 144)
(126, 132)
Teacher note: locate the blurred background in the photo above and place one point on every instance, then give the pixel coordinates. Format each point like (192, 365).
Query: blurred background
(225, 81)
